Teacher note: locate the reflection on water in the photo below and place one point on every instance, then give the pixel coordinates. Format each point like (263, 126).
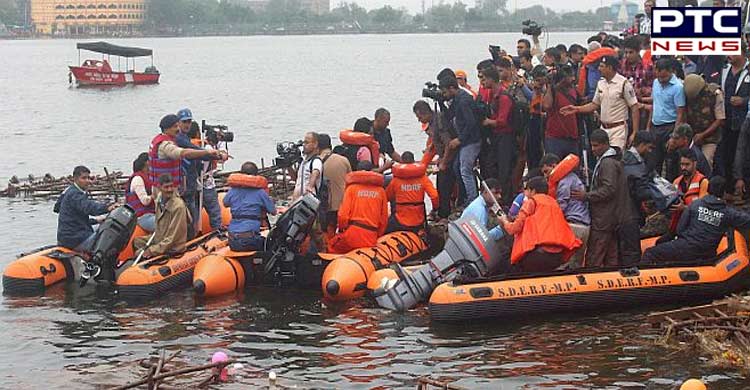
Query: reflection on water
(93, 339)
(270, 89)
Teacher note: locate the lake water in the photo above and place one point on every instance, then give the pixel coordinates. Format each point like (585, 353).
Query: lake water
(271, 89)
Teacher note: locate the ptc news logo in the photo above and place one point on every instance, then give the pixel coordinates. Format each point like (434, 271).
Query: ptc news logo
(696, 31)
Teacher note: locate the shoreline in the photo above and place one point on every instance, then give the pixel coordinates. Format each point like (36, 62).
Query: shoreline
(285, 33)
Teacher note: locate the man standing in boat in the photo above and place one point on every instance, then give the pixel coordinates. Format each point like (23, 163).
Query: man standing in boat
(701, 228)
(165, 157)
(383, 135)
(192, 168)
(74, 209)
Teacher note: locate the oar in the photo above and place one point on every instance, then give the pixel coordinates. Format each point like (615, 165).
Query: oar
(140, 255)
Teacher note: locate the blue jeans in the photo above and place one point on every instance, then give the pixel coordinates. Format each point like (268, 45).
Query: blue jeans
(244, 244)
(467, 158)
(191, 201)
(211, 204)
(87, 245)
(561, 147)
(147, 222)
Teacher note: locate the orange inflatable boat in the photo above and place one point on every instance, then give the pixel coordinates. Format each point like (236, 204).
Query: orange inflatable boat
(154, 277)
(346, 277)
(596, 289)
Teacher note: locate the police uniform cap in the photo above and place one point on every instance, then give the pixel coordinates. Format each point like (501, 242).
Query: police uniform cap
(693, 84)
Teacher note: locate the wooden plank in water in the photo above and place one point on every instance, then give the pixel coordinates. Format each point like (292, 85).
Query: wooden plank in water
(687, 312)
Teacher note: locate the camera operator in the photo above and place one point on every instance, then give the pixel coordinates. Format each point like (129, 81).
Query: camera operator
(534, 30)
(502, 139)
(209, 194)
(440, 136)
(467, 130)
(191, 167)
(561, 135)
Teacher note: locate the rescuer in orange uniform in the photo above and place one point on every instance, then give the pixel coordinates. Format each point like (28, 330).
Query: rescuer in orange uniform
(363, 214)
(543, 239)
(406, 194)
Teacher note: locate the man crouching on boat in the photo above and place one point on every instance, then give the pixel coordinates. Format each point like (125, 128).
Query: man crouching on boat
(702, 226)
(543, 239)
(172, 220)
(74, 207)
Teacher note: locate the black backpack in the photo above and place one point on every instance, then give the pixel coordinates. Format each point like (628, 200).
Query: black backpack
(520, 113)
(323, 191)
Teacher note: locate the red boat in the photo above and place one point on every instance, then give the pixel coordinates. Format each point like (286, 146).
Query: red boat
(99, 72)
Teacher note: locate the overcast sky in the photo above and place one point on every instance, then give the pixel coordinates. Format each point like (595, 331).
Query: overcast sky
(416, 5)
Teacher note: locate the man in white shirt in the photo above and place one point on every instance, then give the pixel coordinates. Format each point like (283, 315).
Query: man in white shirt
(310, 169)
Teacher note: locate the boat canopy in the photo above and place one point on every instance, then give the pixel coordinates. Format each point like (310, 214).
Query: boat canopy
(108, 48)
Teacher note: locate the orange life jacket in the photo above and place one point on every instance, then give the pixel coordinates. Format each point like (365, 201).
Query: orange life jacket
(692, 193)
(694, 188)
(567, 165)
(546, 226)
(407, 190)
(241, 180)
(365, 204)
(591, 58)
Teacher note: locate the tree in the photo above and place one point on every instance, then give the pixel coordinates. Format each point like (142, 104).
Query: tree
(386, 16)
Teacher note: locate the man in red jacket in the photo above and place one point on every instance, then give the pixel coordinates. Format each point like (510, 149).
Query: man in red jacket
(503, 141)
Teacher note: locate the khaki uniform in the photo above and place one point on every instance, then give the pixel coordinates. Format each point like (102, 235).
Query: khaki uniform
(171, 228)
(702, 111)
(615, 97)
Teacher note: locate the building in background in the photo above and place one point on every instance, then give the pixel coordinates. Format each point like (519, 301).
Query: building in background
(623, 11)
(81, 17)
(316, 7)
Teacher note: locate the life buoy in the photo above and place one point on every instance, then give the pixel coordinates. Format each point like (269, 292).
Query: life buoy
(591, 58)
(356, 138)
(351, 137)
(241, 180)
(408, 171)
(567, 165)
(366, 178)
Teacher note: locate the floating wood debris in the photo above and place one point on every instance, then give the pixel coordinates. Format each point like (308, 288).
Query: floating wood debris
(425, 383)
(720, 331)
(159, 372)
(112, 185)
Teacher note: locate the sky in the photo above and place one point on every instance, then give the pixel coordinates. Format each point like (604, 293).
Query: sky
(416, 5)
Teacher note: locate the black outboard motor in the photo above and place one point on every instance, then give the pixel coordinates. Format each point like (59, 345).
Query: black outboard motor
(111, 238)
(468, 251)
(285, 239)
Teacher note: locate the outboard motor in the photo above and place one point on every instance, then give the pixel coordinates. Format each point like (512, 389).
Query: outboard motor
(285, 239)
(468, 251)
(111, 238)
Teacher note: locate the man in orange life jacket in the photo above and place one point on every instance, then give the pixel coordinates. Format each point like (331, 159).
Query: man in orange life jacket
(691, 183)
(138, 194)
(406, 194)
(164, 156)
(363, 214)
(542, 238)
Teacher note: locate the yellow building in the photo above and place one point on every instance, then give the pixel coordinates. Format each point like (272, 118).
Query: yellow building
(78, 17)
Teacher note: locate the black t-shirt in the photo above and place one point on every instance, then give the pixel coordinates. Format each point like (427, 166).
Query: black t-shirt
(385, 140)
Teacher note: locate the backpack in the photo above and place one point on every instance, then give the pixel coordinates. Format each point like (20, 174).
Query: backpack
(520, 113)
(323, 191)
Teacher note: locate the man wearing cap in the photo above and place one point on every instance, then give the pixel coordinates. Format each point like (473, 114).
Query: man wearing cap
(191, 168)
(165, 157)
(461, 78)
(683, 137)
(705, 113)
(614, 96)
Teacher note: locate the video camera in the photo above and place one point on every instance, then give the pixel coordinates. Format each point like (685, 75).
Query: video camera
(495, 53)
(531, 28)
(289, 153)
(432, 91)
(217, 133)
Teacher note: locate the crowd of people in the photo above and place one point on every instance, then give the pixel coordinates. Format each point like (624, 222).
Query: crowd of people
(573, 147)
